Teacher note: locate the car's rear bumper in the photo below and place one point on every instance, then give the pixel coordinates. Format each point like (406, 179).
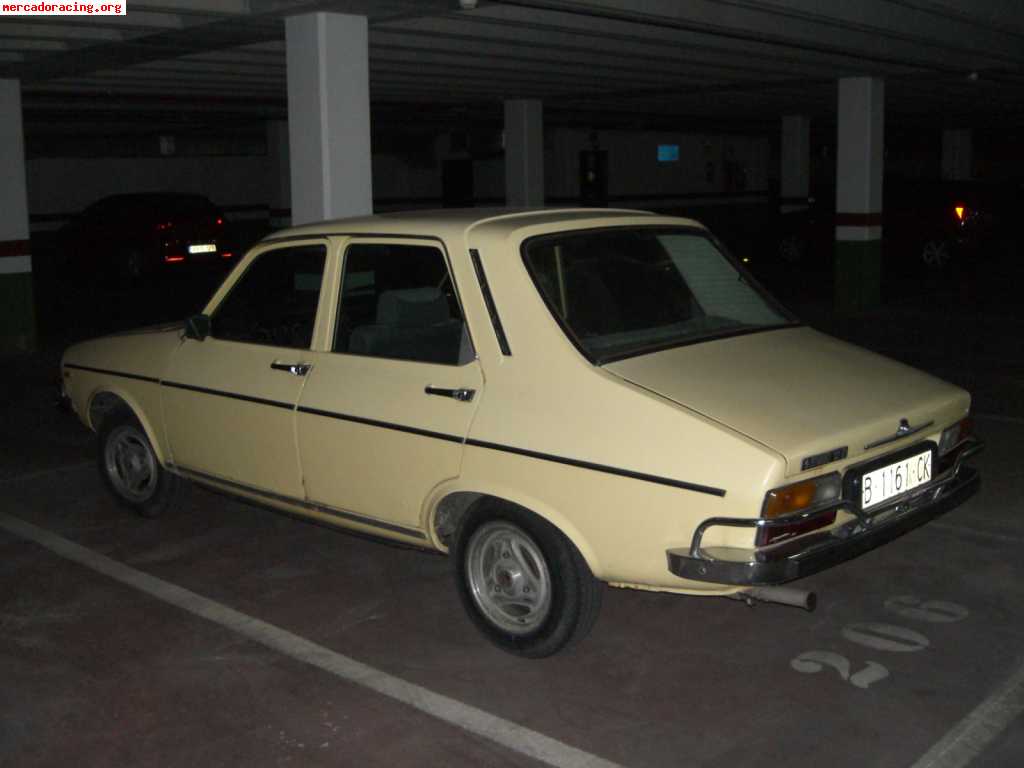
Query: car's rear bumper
(817, 551)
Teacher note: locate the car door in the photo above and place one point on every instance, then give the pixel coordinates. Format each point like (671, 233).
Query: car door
(229, 400)
(388, 404)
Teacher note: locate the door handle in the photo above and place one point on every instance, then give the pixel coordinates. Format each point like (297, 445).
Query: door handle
(461, 394)
(295, 369)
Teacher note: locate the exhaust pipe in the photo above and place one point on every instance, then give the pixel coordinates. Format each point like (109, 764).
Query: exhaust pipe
(798, 598)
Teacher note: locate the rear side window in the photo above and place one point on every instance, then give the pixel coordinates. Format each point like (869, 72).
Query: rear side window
(399, 302)
(275, 301)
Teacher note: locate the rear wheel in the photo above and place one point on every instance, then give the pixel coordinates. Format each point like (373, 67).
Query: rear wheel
(523, 583)
(936, 253)
(130, 468)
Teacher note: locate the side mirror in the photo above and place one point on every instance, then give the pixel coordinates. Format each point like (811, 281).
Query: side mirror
(197, 327)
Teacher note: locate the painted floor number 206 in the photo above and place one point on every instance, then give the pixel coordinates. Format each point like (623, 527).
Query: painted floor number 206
(882, 637)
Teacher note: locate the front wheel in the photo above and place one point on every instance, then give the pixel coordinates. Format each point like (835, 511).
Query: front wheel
(523, 583)
(130, 468)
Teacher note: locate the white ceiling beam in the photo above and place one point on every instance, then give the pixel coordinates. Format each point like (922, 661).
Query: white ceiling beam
(15, 44)
(197, 7)
(59, 32)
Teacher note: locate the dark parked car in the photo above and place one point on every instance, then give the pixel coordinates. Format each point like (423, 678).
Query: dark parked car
(133, 236)
(925, 224)
(940, 223)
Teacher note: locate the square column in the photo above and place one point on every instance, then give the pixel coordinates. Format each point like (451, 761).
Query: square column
(524, 153)
(17, 309)
(279, 182)
(328, 116)
(957, 155)
(861, 136)
(795, 174)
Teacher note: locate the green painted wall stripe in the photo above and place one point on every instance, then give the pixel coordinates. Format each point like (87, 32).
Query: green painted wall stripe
(858, 275)
(17, 313)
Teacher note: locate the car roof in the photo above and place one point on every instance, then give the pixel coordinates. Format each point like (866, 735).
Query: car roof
(458, 221)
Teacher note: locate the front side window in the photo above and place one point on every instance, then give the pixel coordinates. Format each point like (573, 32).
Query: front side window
(398, 301)
(623, 292)
(275, 301)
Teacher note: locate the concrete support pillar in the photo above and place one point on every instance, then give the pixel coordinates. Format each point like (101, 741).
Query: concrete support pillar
(957, 155)
(17, 310)
(328, 116)
(858, 266)
(795, 175)
(524, 152)
(279, 174)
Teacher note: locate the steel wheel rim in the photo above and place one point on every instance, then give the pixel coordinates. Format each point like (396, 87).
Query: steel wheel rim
(508, 577)
(130, 464)
(935, 253)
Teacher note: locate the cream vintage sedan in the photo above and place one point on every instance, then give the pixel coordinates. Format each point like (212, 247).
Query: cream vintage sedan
(558, 399)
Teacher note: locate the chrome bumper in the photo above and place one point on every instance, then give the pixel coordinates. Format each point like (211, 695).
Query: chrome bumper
(813, 552)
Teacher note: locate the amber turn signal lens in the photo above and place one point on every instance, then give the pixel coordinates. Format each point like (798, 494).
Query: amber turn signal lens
(799, 496)
(792, 498)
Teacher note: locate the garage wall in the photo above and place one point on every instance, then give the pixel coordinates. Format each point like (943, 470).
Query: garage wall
(66, 185)
(708, 165)
(60, 186)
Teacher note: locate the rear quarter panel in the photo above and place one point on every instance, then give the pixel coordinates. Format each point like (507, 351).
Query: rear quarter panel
(546, 398)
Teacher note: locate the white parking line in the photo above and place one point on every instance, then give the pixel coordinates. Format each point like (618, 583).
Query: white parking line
(969, 738)
(515, 737)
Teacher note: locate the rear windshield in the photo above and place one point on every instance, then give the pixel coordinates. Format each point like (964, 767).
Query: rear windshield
(623, 292)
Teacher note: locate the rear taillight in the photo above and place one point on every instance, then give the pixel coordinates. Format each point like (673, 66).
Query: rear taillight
(952, 442)
(173, 258)
(220, 221)
(226, 255)
(164, 225)
(954, 435)
(788, 502)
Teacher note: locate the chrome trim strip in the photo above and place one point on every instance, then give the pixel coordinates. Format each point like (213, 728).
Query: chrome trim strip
(229, 395)
(696, 487)
(379, 424)
(136, 376)
(898, 435)
(600, 468)
(202, 477)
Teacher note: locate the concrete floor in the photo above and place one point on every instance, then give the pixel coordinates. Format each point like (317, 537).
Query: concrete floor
(98, 673)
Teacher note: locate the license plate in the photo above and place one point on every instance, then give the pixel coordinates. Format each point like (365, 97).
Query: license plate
(203, 248)
(895, 479)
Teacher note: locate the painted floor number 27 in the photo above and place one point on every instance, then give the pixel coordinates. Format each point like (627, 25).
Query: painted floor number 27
(882, 637)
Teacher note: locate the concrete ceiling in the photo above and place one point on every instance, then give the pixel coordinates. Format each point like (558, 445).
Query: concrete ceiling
(592, 61)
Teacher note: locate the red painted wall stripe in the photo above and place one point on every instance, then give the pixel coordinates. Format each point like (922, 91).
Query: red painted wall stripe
(14, 248)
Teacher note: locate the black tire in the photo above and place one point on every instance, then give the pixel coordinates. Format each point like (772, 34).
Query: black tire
(544, 600)
(131, 469)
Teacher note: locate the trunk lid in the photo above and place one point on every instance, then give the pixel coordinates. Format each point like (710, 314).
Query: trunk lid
(799, 392)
